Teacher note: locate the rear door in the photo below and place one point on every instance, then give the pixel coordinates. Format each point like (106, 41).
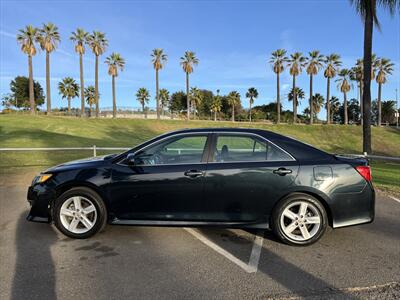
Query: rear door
(246, 174)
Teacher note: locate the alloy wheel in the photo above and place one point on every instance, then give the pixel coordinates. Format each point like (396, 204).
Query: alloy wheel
(78, 214)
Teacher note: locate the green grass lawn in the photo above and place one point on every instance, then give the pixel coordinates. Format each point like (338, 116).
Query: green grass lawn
(42, 131)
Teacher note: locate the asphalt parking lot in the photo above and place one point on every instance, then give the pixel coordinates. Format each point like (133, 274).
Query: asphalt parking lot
(37, 262)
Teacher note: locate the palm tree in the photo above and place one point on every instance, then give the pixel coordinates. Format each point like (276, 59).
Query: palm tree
(367, 10)
(80, 38)
(90, 97)
(27, 37)
(188, 61)
(115, 62)
(344, 86)
(251, 94)
(317, 103)
(384, 68)
(143, 96)
(68, 88)
(158, 60)
(294, 95)
(48, 39)
(295, 63)
(216, 105)
(196, 97)
(164, 99)
(335, 106)
(332, 64)
(314, 64)
(278, 61)
(356, 74)
(98, 43)
(233, 100)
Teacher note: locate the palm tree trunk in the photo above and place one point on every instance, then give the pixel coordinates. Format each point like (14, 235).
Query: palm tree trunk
(144, 113)
(90, 109)
(250, 110)
(31, 90)
(215, 115)
(69, 105)
(361, 103)
(294, 100)
(233, 113)
(346, 120)
(82, 85)
(157, 96)
(48, 82)
(114, 98)
(96, 85)
(368, 29)
(278, 99)
(379, 104)
(311, 100)
(328, 103)
(187, 96)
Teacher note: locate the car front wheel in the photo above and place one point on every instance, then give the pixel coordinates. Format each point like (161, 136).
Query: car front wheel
(299, 219)
(79, 213)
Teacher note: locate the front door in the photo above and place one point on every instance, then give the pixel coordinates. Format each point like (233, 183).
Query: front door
(166, 181)
(245, 176)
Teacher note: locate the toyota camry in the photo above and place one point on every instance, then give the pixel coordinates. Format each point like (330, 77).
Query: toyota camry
(239, 178)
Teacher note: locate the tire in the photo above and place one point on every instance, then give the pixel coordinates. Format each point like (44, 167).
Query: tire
(79, 213)
(293, 231)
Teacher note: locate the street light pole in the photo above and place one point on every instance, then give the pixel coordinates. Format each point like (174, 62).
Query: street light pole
(397, 111)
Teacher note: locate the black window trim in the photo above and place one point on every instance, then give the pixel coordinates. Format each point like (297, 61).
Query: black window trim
(214, 144)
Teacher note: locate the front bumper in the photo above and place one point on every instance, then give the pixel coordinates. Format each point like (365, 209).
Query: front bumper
(40, 199)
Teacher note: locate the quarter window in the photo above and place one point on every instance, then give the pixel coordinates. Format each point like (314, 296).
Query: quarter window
(242, 148)
(175, 150)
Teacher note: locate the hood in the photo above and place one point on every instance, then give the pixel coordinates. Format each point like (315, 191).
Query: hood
(76, 164)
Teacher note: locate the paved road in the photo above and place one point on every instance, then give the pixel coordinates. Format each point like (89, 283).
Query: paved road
(37, 262)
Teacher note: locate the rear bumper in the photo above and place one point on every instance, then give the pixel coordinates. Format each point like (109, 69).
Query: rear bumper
(40, 199)
(350, 209)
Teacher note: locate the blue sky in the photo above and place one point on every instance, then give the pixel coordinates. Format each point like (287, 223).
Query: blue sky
(232, 39)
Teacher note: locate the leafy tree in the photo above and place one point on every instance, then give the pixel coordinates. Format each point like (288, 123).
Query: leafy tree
(384, 68)
(344, 86)
(196, 97)
(98, 43)
(368, 12)
(164, 99)
(234, 100)
(90, 97)
(268, 111)
(354, 110)
(278, 60)
(332, 64)
(314, 64)
(178, 102)
(68, 88)
(20, 95)
(115, 62)
(143, 96)
(48, 38)
(27, 38)
(216, 105)
(188, 61)
(296, 62)
(80, 38)
(159, 58)
(251, 94)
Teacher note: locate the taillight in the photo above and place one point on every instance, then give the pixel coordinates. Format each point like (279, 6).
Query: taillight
(365, 172)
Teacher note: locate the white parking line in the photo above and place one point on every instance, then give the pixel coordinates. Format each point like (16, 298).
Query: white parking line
(251, 267)
(394, 198)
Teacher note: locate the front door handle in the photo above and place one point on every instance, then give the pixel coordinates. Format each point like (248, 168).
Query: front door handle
(282, 171)
(193, 173)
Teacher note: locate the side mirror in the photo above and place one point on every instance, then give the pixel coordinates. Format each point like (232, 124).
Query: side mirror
(131, 159)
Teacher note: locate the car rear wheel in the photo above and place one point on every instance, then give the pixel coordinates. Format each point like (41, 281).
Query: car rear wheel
(79, 213)
(299, 219)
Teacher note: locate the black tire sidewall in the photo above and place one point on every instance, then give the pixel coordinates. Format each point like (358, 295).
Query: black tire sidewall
(278, 210)
(97, 202)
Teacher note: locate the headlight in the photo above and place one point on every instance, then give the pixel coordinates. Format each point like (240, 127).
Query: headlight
(41, 178)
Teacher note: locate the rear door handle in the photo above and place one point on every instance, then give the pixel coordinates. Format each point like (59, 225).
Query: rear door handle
(194, 173)
(282, 171)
